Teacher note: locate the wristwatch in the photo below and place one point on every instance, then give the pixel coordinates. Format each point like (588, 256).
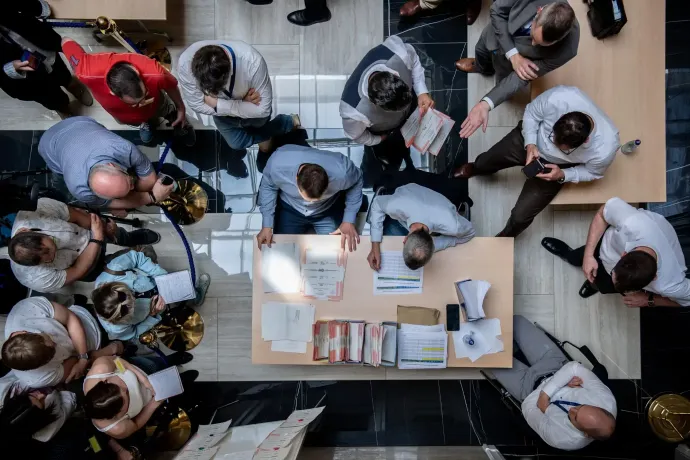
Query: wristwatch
(650, 300)
(83, 356)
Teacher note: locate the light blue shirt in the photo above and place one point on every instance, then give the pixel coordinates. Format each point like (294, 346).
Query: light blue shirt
(140, 280)
(280, 180)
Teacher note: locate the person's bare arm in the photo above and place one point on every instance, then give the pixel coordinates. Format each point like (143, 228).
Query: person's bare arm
(79, 217)
(596, 231)
(136, 199)
(87, 258)
(126, 428)
(78, 337)
(67, 366)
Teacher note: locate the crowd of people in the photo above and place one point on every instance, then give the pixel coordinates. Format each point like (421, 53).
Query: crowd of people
(631, 252)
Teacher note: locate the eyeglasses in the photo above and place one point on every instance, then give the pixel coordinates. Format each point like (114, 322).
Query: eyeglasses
(553, 141)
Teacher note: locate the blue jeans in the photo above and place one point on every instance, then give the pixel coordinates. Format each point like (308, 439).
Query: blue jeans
(148, 364)
(289, 221)
(242, 133)
(392, 227)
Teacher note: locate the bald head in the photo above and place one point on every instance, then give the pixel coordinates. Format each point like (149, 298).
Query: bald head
(110, 182)
(595, 422)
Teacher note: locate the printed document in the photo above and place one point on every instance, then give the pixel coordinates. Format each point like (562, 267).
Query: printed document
(176, 287)
(420, 349)
(284, 321)
(280, 268)
(395, 278)
(323, 273)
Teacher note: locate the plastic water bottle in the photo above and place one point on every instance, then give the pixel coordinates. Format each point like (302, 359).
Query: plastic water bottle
(467, 338)
(630, 146)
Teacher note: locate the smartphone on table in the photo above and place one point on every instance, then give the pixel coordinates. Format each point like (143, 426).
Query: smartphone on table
(453, 317)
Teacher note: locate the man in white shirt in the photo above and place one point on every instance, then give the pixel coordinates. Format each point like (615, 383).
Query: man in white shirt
(377, 100)
(563, 402)
(630, 251)
(427, 219)
(57, 245)
(47, 344)
(228, 79)
(563, 129)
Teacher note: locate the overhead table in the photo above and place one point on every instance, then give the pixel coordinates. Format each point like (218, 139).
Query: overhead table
(625, 76)
(112, 9)
(489, 259)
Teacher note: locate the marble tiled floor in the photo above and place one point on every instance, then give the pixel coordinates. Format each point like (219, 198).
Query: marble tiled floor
(309, 67)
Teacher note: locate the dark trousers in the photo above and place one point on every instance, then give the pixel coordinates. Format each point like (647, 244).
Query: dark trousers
(41, 86)
(316, 7)
(603, 281)
(289, 221)
(385, 157)
(536, 194)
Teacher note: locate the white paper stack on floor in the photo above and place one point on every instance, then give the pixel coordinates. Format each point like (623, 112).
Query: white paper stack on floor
(471, 294)
(422, 347)
(289, 326)
(485, 334)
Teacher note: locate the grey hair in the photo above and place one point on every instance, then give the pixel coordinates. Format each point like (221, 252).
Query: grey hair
(106, 169)
(418, 249)
(556, 20)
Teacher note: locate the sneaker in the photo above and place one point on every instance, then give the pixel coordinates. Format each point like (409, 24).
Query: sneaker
(201, 289)
(146, 132)
(187, 134)
(142, 236)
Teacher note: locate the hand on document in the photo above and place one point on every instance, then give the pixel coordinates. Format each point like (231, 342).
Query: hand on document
(425, 103)
(349, 233)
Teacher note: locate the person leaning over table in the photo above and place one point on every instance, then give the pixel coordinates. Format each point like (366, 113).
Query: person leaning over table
(428, 221)
(525, 40)
(47, 344)
(565, 129)
(57, 245)
(630, 251)
(304, 188)
(100, 168)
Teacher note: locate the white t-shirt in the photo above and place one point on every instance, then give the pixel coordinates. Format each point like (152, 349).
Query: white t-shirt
(63, 402)
(36, 314)
(632, 228)
(51, 217)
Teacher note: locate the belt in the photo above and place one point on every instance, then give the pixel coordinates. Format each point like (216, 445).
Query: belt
(541, 379)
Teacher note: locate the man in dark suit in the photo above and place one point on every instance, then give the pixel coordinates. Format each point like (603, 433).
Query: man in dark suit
(525, 40)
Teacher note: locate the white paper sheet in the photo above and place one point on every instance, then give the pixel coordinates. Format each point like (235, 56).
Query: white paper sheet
(203, 445)
(410, 128)
(485, 333)
(405, 327)
(284, 321)
(176, 287)
(390, 343)
(244, 439)
(395, 278)
(441, 137)
(289, 346)
(323, 273)
(280, 268)
(472, 294)
(197, 454)
(428, 130)
(166, 383)
(422, 350)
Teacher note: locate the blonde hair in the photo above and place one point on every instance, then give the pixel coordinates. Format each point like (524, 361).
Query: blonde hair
(108, 302)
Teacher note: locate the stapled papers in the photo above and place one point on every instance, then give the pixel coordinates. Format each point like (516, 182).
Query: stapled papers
(287, 321)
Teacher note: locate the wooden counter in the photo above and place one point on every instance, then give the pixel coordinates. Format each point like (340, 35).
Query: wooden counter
(113, 9)
(625, 76)
(489, 259)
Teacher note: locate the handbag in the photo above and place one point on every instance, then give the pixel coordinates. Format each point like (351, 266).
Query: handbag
(606, 17)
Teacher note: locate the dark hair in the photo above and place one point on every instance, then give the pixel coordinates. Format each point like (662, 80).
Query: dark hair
(572, 129)
(19, 418)
(104, 401)
(389, 92)
(211, 67)
(634, 271)
(556, 20)
(123, 80)
(26, 248)
(312, 180)
(418, 249)
(26, 351)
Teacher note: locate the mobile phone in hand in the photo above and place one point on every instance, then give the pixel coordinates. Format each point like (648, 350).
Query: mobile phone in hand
(34, 59)
(534, 168)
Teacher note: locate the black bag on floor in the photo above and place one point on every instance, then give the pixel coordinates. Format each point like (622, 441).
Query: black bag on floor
(11, 290)
(606, 17)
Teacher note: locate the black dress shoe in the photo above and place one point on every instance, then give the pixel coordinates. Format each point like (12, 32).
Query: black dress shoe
(305, 18)
(141, 236)
(587, 289)
(179, 358)
(260, 2)
(556, 247)
(188, 377)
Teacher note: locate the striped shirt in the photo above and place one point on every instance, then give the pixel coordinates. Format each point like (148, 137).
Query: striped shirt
(75, 145)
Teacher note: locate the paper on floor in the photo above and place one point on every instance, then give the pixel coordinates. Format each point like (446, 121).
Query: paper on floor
(284, 321)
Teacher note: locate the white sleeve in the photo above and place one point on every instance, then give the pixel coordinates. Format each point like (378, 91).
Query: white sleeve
(261, 82)
(193, 96)
(359, 133)
(679, 293)
(562, 377)
(48, 207)
(617, 211)
(534, 115)
(409, 56)
(538, 420)
(378, 217)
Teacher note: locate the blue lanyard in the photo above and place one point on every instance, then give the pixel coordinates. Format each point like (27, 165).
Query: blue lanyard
(228, 92)
(560, 403)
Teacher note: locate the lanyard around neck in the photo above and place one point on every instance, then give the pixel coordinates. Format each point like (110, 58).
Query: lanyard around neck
(228, 92)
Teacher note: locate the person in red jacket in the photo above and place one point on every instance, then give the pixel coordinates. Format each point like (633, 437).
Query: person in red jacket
(135, 89)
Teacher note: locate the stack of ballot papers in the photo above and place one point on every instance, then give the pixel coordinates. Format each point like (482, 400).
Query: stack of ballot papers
(287, 326)
(422, 347)
(280, 268)
(380, 340)
(323, 273)
(484, 335)
(176, 287)
(471, 295)
(355, 342)
(428, 133)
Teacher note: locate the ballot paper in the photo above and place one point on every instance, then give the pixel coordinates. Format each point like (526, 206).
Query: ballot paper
(485, 334)
(176, 286)
(395, 278)
(422, 347)
(389, 346)
(280, 268)
(203, 445)
(471, 295)
(425, 132)
(166, 383)
(285, 321)
(323, 273)
(277, 444)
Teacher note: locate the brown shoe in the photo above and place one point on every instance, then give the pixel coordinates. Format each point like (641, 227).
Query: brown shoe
(465, 171)
(467, 65)
(411, 8)
(474, 7)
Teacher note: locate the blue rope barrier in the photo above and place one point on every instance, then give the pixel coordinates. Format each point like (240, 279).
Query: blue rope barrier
(76, 25)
